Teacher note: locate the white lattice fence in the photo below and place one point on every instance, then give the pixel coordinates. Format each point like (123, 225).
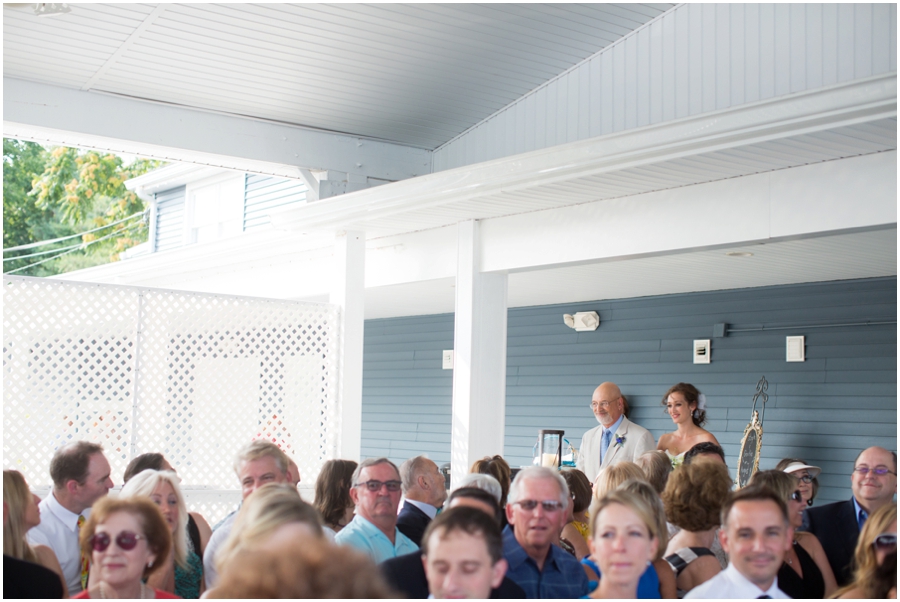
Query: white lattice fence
(193, 376)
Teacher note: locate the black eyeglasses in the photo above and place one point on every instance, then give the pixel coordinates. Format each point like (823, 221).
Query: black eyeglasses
(885, 541)
(126, 540)
(806, 478)
(547, 505)
(879, 470)
(797, 496)
(377, 485)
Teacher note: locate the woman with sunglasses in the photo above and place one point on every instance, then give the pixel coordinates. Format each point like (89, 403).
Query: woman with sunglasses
(127, 540)
(624, 541)
(805, 572)
(877, 540)
(183, 572)
(806, 474)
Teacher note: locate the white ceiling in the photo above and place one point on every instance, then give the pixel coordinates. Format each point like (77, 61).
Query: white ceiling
(417, 74)
(846, 256)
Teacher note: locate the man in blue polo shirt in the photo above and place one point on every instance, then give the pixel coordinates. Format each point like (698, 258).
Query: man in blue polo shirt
(376, 493)
(536, 510)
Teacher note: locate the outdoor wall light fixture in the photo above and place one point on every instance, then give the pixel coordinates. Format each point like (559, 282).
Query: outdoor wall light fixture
(582, 321)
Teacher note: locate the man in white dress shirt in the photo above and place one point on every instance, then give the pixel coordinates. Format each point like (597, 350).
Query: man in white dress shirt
(756, 534)
(617, 439)
(80, 474)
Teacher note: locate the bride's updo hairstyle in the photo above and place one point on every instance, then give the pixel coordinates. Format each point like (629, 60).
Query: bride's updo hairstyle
(691, 396)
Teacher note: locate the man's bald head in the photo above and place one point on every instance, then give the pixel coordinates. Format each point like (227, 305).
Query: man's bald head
(607, 404)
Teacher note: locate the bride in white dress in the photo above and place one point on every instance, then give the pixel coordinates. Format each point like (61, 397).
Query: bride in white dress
(687, 408)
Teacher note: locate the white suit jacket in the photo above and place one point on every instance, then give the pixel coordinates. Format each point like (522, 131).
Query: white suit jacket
(637, 441)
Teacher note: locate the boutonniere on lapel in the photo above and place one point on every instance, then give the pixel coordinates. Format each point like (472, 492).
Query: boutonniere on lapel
(620, 440)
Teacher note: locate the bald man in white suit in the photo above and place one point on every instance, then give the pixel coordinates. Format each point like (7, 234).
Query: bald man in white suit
(624, 440)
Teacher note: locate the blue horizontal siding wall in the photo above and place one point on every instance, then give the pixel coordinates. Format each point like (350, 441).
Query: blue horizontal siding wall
(263, 194)
(170, 218)
(842, 399)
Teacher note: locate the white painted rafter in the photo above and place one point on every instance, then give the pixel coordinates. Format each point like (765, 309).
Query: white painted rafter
(56, 115)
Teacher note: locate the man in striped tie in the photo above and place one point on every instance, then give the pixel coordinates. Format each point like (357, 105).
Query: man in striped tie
(81, 476)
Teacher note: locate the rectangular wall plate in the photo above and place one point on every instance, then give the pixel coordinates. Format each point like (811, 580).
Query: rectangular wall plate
(796, 349)
(701, 351)
(447, 358)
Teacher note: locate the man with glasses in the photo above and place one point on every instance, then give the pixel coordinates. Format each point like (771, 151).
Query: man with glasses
(617, 439)
(536, 510)
(376, 492)
(837, 525)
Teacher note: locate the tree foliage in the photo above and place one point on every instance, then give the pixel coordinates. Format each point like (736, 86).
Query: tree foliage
(71, 190)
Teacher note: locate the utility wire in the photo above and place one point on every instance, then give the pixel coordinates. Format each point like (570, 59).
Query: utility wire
(49, 242)
(42, 253)
(83, 246)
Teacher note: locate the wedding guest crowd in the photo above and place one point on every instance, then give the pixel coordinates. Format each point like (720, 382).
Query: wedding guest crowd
(635, 519)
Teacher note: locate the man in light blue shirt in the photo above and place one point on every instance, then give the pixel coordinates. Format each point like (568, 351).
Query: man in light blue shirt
(376, 493)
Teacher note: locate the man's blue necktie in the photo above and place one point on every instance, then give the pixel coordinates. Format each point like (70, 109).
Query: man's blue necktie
(604, 444)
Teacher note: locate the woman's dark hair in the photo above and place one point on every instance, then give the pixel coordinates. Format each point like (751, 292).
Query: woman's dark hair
(498, 468)
(148, 461)
(691, 396)
(333, 490)
(784, 463)
(579, 487)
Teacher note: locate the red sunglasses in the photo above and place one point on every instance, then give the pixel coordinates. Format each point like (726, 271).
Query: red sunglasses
(126, 540)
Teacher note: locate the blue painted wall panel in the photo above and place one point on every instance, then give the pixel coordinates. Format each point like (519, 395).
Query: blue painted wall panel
(843, 398)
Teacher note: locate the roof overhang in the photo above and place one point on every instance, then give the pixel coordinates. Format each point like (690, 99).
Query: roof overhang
(839, 121)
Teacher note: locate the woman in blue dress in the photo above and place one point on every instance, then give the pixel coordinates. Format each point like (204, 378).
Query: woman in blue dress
(623, 543)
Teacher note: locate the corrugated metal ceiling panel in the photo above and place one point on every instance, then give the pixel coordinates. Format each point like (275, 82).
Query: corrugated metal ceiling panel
(418, 74)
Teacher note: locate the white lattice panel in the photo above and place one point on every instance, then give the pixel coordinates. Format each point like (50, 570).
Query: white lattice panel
(192, 376)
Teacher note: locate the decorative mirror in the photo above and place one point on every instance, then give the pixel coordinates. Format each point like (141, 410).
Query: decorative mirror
(751, 443)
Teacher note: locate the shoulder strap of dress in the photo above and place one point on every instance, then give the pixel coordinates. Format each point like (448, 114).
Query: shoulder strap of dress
(194, 534)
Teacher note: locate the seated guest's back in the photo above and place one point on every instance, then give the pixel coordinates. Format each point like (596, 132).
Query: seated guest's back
(272, 510)
(805, 572)
(877, 541)
(657, 467)
(498, 468)
(693, 500)
(423, 486)
(837, 525)
(300, 568)
(333, 494)
(611, 477)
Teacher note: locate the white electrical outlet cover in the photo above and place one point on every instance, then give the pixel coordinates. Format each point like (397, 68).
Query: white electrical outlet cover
(447, 358)
(701, 351)
(796, 349)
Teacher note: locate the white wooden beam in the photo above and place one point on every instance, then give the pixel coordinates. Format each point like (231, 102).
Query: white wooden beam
(479, 358)
(348, 293)
(56, 115)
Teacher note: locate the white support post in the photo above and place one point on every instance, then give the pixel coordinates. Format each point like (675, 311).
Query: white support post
(479, 357)
(348, 292)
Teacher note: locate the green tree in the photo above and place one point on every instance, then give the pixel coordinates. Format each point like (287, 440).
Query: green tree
(23, 221)
(76, 191)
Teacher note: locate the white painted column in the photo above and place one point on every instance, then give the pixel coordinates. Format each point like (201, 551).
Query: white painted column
(348, 291)
(479, 357)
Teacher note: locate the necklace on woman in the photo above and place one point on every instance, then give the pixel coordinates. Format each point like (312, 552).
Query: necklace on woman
(146, 592)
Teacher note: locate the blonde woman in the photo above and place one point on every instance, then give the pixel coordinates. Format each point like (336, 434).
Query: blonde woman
(877, 540)
(624, 541)
(183, 572)
(24, 514)
(612, 476)
(271, 514)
